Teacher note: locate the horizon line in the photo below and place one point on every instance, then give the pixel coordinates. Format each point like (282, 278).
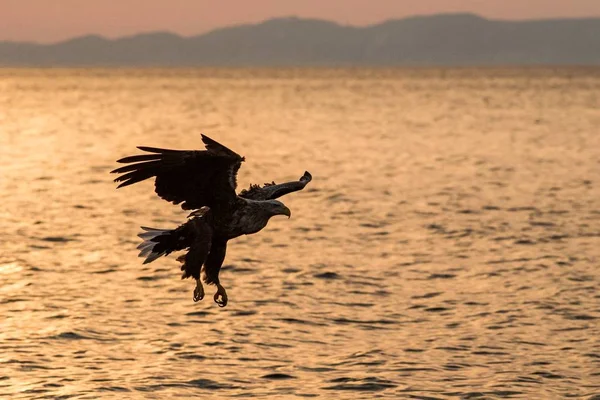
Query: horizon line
(291, 17)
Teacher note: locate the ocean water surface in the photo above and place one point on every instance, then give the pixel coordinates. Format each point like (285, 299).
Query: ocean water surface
(447, 248)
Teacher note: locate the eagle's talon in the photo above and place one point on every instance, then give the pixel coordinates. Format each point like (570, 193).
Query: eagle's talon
(221, 296)
(198, 297)
(221, 303)
(198, 291)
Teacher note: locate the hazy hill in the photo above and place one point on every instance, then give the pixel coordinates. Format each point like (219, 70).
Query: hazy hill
(452, 39)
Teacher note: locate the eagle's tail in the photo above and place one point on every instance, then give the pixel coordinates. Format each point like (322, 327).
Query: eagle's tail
(157, 243)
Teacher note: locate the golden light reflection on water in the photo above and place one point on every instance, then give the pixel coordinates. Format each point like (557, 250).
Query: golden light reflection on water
(447, 246)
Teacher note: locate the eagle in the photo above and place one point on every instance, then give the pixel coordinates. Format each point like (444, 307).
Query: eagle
(205, 182)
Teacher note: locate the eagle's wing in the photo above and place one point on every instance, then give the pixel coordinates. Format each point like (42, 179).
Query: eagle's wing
(195, 178)
(272, 191)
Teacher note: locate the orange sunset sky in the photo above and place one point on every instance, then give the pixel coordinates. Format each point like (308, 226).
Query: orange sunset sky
(54, 20)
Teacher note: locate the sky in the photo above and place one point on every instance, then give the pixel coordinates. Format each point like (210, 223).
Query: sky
(47, 21)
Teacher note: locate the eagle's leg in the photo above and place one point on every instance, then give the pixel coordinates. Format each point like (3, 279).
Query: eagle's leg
(212, 266)
(198, 291)
(221, 296)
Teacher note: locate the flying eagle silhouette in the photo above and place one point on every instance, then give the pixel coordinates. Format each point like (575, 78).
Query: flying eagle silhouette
(204, 181)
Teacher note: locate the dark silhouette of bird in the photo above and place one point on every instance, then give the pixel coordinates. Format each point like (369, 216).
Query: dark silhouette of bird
(204, 181)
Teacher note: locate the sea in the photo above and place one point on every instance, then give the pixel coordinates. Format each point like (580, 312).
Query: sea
(448, 246)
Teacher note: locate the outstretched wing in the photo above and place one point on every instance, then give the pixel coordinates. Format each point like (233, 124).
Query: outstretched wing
(272, 190)
(195, 178)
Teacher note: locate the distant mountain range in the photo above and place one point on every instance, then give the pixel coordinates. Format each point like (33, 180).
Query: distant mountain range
(438, 40)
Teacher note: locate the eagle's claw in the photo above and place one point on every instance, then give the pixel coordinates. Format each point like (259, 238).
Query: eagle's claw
(198, 296)
(198, 291)
(221, 296)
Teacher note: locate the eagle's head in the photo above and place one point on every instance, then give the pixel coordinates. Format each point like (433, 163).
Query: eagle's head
(275, 207)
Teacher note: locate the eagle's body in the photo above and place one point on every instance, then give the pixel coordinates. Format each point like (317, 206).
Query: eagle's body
(248, 217)
(204, 181)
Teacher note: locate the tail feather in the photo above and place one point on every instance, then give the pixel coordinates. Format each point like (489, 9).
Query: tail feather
(144, 244)
(144, 251)
(153, 256)
(148, 229)
(152, 238)
(161, 242)
(150, 235)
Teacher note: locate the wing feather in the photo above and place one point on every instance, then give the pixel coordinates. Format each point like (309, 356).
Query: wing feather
(156, 150)
(192, 178)
(133, 167)
(143, 157)
(272, 191)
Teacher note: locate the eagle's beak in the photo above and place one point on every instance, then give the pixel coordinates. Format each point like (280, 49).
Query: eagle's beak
(286, 211)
